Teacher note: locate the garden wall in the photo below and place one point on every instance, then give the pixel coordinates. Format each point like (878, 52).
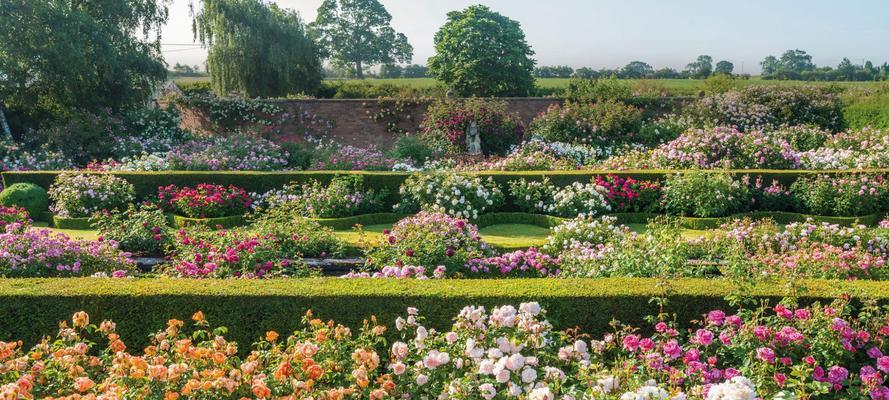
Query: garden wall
(364, 122)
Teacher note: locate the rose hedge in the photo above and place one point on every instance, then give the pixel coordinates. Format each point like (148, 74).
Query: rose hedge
(32, 307)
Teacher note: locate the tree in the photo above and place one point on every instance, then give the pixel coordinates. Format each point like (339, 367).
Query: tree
(770, 65)
(257, 48)
(724, 67)
(358, 33)
(480, 52)
(58, 55)
(796, 61)
(391, 71)
(637, 70)
(586, 73)
(414, 71)
(701, 68)
(666, 73)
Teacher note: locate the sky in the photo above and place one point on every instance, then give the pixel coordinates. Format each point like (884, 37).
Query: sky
(611, 33)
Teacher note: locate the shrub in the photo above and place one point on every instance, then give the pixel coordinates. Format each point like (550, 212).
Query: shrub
(774, 197)
(83, 137)
(450, 193)
(10, 216)
(295, 235)
(582, 231)
(345, 196)
(351, 158)
(29, 196)
(724, 147)
(429, 239)
(604, 123)
(78, 195)
(446, 125)
(204, 200)
(412, 147)
(238, 152)
(521, 263)
(597, 90)
(141, 229)
(239, 253)
(702, 194)
(626, 194)
(538, 155)
(43, 253)
(847, 196)
(764, 107)
(579, 199)
(531, 196)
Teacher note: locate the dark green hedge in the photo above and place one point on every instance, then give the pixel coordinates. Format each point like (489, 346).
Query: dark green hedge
(225, 222)
(30, 308)
(146, 183)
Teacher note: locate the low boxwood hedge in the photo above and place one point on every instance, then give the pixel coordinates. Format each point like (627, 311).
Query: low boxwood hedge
(71, 223)
(146, 183)
(33, 307)
(224, 222)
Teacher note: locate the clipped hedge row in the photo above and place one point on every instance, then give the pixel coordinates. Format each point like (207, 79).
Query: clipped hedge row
(32, 307)
(146, 183)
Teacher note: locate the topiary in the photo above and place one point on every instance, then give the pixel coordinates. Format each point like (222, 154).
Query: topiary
(29, 196)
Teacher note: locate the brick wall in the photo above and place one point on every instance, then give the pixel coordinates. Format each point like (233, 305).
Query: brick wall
(352, 121)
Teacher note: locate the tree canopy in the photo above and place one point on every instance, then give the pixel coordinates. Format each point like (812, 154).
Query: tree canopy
(701, 68)
(358, 33)
(58, 55)
(482, 53)
(724, 67)
(257, 48)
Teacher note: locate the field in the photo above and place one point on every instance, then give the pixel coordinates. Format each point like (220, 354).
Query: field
(675, 86)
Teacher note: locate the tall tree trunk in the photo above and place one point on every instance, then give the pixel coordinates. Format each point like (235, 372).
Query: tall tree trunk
(359, 71)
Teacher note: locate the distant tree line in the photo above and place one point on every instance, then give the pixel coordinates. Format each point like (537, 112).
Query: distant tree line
(798, 65)
(702, 67)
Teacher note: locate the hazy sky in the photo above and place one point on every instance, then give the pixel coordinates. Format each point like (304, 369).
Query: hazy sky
(610, 33)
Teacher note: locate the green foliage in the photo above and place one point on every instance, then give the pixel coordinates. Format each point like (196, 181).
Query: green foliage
(701, 194)
(34, 306)
(447, 122)
(479, 52)
(413, 148)
(257, 49)
(605, 123)
(77, 195)
(29, 196)
(57, 56)
(141, 229)
(596, 90)
(358, 33)
(846, 196)
(298, 236)
(867, 109)
(719, 83)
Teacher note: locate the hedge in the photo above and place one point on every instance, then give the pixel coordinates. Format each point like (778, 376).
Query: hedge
(31, 308)
(225, 222)
(146, 183)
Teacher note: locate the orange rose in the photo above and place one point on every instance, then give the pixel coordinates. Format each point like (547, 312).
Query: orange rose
(198, 316)
(314, 372)
(83, 384)
(81, 319)
(271, 336)
(171, 396)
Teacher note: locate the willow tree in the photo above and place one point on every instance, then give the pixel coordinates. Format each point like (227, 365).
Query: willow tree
(58, 55)
(256, 48)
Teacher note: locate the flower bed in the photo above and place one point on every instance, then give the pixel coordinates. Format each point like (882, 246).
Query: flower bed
(775, 351)
(204, 201)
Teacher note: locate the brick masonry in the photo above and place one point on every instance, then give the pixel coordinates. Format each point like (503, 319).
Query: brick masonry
(352, 121)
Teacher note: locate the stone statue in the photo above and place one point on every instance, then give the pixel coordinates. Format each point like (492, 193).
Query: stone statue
(473, 140)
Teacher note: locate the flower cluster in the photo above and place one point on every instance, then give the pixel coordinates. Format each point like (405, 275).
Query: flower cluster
(345, 196)
(79, 195)
(351, 158)
(844, 195)
(13, 215)
(232, 253)
(141, 229)
(521, 263)
(579, 199)
(629, 194)
(447, 122)
(777, 352)
(43, 253)
(450, 193)
(204, 200)
(402, 272)
(429, 239)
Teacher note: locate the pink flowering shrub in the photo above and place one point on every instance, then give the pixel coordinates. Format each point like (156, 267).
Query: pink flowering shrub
(726, 147)
(522, 263)
(44, 253)
(351, 158)
(603, 123)
(201, 253)
(13, 215)
(447, 123)
(626, 194)
(841, 195)
(429, 239)
(204, 201)
(402, 272)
